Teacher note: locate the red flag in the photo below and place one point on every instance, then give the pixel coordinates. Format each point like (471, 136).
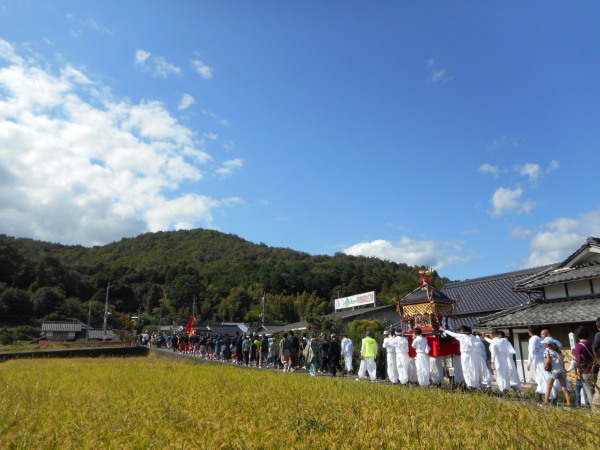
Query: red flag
(188, 329)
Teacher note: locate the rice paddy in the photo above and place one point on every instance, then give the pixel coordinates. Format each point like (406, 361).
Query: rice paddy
(157, 402)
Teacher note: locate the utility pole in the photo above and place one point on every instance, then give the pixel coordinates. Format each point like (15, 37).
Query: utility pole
(105, 311)
(87, 333)
(194, 307)
(263, 308)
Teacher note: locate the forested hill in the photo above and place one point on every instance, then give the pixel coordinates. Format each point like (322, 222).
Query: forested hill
(162, 273)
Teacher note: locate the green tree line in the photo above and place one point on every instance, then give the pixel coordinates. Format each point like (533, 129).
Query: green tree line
(166, 274)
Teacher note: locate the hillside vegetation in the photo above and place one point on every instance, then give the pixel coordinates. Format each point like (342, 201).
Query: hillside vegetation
(163, 274)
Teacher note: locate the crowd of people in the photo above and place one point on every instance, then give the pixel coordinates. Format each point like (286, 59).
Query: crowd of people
(485, 359)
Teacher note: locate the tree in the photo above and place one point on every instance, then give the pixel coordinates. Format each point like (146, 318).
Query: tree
(15, 305)
(47, 300)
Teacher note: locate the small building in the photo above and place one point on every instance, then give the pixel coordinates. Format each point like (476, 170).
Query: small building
(62, 330)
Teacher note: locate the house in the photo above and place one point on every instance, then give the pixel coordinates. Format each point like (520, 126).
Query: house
(561, 297)
(479, 297)
(62, 331)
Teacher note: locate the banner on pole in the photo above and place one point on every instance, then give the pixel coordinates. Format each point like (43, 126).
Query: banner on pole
(188, 329)
(367, 298)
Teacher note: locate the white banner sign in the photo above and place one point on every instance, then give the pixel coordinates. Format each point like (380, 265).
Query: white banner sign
(367, 298)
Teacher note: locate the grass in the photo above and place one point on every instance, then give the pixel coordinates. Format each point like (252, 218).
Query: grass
(155, 402)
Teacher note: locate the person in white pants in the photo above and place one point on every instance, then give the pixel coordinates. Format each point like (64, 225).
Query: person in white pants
(535, 361)
(347, 353)
(422, 359)
(368, 352)
(499, 351)
(402, 358)
(390, 349)
(469, 355)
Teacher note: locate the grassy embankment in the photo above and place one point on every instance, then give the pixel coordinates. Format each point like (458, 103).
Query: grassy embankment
(163, 403)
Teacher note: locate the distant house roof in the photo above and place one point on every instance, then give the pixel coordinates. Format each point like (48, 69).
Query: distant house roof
(546, 313)
(583, 264)
(65, 326)
(224, 329)
(482, 296)
(99, 333)
(301, 325)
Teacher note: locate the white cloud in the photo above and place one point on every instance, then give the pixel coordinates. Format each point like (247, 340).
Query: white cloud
(506, 200)
(558, 239)
(186, 101)
(81, 173)
(230, 166)
(554, 165)
(436, 254)
(141, 56)
(203, 70)
(88, 23)
(156, 65)
(488, 168)
(435, 73)
(529, 170)
(504, 141)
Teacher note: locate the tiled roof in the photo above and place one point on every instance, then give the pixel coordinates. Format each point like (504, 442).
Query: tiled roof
(98, 333)
(584, 271)
(224, 329)
(421, 296)
(546, 313)
(489, 294)
(62, 326)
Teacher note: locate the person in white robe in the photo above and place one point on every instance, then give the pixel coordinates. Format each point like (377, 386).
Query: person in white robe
(469, 355)
(390, 350)
(347, 353)
(535, 362)
(485, 375)
(499, 352)
(402, 359)
(515, 381)
(422, 359)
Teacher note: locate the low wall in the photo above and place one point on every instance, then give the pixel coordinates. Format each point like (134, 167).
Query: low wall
(78, 353)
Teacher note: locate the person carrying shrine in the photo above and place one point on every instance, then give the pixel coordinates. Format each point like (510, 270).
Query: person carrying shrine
(422, 359)
(499, 349)
(402, 359)
(469, 355)
(390, 350)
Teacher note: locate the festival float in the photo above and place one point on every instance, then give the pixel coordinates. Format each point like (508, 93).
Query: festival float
(429, 309)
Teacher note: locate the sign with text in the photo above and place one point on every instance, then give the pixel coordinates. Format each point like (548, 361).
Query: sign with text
(368, 298)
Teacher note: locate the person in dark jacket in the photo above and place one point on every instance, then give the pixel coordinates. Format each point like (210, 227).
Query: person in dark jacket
(334, 355)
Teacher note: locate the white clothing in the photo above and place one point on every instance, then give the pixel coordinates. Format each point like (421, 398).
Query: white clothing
(470, 357)
(347, 353)
(392, 368)
(367, 364)
(422, 360)
(402, 359)
(458, 372)
(515, 381)
(436, 370)
(536, 362)
(499, 351)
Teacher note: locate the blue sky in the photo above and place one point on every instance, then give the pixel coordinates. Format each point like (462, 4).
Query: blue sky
(460, 135)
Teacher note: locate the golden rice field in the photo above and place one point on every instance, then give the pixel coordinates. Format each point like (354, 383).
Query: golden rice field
(155, 402)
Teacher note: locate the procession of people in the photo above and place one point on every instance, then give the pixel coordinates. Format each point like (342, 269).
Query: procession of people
(486, 361)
